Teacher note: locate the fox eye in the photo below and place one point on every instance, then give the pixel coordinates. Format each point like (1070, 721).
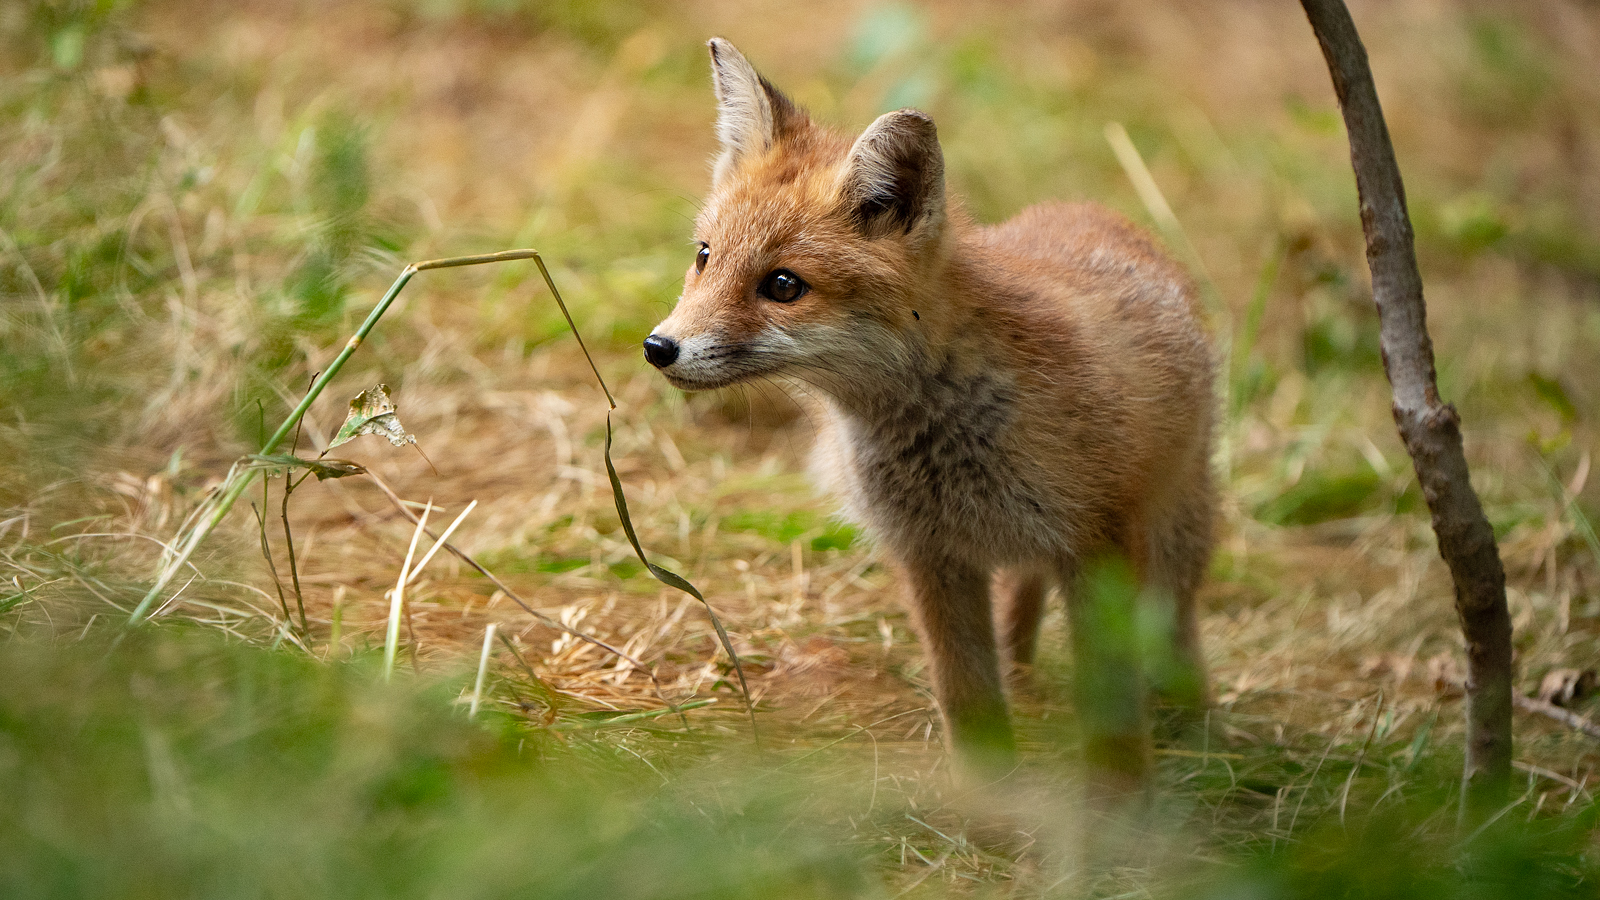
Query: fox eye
(783, 286)
(701, 257)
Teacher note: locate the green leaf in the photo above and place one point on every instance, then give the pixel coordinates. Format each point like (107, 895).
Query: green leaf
(1555, 396)
(333, 468)
(372, 412)
(322, 468)
(15, 600)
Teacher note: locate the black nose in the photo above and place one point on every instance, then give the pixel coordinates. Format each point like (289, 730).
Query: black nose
(660, 351)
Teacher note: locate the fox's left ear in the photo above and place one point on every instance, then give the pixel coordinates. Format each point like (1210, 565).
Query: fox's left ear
(894, 179)
(752, 115)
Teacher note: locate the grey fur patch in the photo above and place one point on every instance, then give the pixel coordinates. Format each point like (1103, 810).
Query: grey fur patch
(931, 473)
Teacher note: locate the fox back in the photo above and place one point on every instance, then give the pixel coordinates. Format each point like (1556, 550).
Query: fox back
(1004, 404)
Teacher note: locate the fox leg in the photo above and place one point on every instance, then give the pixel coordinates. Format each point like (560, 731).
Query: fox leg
(1019, 597)
(951, 604)
(1180, 548)
(1103, 596)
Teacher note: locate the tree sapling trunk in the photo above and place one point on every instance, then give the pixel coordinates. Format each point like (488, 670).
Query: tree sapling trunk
(1430, 428)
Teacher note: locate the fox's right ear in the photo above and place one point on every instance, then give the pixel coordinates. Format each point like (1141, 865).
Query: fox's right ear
(752, 115)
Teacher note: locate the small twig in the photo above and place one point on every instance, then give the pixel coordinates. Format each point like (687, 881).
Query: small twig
(1543, 708)
(266, 549)
(1542, 772)
(289, 484)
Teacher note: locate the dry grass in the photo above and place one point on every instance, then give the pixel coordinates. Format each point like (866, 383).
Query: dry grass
(1329, 627)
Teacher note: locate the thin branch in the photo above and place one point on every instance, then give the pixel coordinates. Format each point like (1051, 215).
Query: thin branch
(1565, 716)
(1430, 428)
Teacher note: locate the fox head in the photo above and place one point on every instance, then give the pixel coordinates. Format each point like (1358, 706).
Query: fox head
(811, 248)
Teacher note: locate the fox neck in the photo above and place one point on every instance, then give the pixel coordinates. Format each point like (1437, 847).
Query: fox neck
(936, 343)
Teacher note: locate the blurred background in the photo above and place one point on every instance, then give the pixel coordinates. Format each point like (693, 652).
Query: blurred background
(200, 201)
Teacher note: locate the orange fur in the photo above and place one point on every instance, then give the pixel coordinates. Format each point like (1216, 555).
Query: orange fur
(1006, 402)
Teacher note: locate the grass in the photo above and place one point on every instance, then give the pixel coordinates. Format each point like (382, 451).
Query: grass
(223, 770)
(198, 203)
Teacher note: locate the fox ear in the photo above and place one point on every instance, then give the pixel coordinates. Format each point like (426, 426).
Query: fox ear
(752, 115)
(894, 180)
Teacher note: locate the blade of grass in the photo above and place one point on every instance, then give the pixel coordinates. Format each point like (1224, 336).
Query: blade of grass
(640, 716)
(672, 579)
(442, 538)
(1344, 794)
(483, 666)
(1569, 505)
(1144, 184)
(391, 641)
(1257, 310)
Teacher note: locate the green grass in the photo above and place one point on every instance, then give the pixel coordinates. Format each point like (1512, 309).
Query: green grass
(180, 765)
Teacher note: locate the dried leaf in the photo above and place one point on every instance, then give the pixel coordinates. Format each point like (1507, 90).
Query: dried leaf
(1563, 687)
(372, 412)
(1445, 673)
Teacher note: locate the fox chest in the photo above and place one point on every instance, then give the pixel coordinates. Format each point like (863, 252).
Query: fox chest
(941, 476)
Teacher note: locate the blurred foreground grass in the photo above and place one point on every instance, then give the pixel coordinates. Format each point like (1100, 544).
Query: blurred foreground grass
(197, 202)
(179, 764)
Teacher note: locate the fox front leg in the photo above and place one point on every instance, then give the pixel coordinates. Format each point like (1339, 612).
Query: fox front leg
(952, 610)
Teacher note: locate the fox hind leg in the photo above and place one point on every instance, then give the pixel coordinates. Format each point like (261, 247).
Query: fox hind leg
(1019, 604)
(1180, 550)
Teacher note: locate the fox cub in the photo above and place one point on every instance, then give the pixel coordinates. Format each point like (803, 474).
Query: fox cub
(1007, 406)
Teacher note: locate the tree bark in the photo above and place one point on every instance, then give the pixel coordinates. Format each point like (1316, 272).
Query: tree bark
(1430, 428)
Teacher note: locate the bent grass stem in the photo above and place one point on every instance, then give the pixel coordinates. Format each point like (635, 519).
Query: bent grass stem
(240, 477)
